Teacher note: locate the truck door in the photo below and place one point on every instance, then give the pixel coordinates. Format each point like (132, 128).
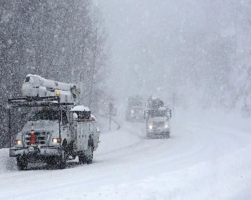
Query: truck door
(79, 136)
(82, 135)
(87, 129)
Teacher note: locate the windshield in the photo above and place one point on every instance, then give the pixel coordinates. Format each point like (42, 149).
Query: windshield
(135, 103)
(157, 113)
(51, 115)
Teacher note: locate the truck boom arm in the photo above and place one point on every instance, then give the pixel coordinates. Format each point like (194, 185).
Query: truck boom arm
(37, 86)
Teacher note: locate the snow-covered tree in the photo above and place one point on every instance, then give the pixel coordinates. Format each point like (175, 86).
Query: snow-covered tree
(62, 40)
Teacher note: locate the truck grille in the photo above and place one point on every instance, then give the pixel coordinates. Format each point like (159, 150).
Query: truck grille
(40, 138)
(158, 124)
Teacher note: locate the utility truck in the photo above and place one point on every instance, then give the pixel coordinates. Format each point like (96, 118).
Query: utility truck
(135, 109)
(157, 118)
(58, 129)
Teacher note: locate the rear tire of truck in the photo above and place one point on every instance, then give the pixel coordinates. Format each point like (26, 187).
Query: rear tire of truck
(61, 160)
(81, 158)
(89, 158)
(89, 153)
(51, 161)
(22, 163)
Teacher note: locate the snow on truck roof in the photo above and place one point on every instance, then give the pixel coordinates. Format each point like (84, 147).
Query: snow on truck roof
(80, 108)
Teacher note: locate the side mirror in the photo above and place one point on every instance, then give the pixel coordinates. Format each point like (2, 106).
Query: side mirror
(75, 116)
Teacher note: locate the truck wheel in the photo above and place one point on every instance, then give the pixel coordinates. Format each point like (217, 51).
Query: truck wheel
(51, 161)
(22, 162)
(61, 160)
(81, 158)
(89, 154)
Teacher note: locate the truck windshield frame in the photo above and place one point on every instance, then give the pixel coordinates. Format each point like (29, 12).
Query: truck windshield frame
(157, 113)
(45, 114)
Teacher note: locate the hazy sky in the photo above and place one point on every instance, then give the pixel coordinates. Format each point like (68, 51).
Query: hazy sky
(135, 30)
(150, 40)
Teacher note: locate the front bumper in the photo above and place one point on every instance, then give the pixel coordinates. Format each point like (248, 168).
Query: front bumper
(135, 117)
(35, 151)
(160, 131)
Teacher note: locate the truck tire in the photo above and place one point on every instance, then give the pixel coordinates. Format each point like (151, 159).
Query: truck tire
(51, 161)
(81, 158)
(149, 136)
(22, 162)
(89, 154)
(61, 160)
(89, 151)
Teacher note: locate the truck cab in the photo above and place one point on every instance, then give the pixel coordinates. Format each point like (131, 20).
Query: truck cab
(45, 124)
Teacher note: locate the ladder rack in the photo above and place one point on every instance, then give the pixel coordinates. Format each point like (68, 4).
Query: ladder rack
(36, 101)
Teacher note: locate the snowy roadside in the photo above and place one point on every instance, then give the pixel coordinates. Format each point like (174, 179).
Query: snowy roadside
(103, 124)
(124, 137)
(7, 164)
(223, 177)
(217, 179)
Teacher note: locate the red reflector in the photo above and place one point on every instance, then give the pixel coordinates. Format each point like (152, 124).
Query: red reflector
(58, 140)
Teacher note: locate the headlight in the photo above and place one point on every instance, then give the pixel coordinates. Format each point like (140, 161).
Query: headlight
(56, 140)
(166, 126)
(17, 142)
(132, 111)
(150, 127)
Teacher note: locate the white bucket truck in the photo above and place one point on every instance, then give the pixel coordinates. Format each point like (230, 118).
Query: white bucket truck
(57, 129)
(157, 118)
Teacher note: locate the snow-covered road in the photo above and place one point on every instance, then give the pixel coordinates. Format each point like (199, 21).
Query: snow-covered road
(207, 157)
